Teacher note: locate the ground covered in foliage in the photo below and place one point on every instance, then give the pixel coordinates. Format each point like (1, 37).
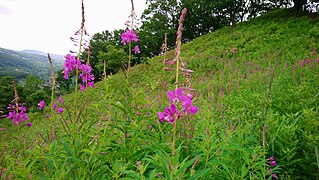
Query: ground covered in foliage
(257, 92)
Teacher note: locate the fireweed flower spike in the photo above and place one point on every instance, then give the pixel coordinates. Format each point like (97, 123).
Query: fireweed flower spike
(129, 35)
(55, 106)
(60, 99)
(272, 161)
(60, 110)
(169, 114)
(41, 104)
(180, 64)
(189, 108)
(175, 96)
(172, 113)
(18, 115)
(136, 49)
(56, 109)
(71, 64)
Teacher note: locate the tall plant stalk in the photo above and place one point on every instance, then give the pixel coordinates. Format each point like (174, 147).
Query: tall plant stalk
(53, 81)
(179, 44)
(81, 31)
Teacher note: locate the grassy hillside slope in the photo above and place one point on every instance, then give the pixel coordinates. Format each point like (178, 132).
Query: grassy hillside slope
(257, 92)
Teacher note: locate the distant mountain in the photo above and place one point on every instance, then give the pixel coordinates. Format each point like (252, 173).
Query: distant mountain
(19, 64)
(34, 52)
(56, 58)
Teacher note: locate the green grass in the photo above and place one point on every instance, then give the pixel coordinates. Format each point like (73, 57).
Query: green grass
(244, 78)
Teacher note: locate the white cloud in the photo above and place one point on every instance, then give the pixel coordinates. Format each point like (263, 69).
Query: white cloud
(46, 25)
(4, 10)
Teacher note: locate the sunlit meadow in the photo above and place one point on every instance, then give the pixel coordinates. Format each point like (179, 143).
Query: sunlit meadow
(234, 104)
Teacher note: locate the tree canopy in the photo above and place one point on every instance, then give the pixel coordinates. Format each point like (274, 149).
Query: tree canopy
(161, 17)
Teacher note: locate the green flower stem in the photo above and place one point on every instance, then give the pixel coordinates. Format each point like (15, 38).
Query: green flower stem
(77, 71)
(163, 72)
(52, 91)
(129, 58)
(177, 72)
(173, 149)
(19, 137)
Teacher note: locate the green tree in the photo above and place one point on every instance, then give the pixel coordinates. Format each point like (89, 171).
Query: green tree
(64, 85)
(297, 4)
(7, 92)
(159, 18)
(100, 44)
(115, 60)
(34, 91)
(201, 18)
(256, 8)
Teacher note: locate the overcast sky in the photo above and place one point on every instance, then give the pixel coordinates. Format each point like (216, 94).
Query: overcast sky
(46, 25)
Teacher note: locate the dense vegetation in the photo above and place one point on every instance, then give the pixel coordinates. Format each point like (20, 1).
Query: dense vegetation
(31, 70)
(21, 64)
(256, 90)
(161, 19)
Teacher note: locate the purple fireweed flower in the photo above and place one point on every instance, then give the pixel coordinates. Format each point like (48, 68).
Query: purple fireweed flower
(82, 87)
(29, 124)
(176, 96)
(171, 62)
(186, 70)
(128, 36)
(60, 110)
(189, 96)
(41, 104)
(91, 84)
(2, 129)
(18, 117)
(314, 52)
(66, 74)
(169, 114)
(274, 176)
(70, 64)
(86, 76)
(272, 158)
(272, 161)
(189, 108)
(55, 106)
(85, 68)
(136, 49)
(60, 99)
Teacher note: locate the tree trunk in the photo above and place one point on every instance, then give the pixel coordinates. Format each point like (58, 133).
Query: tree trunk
(233, 20)
(298, 4)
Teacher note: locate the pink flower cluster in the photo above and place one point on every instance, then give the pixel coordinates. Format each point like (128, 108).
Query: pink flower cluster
(273, 163)
(172, 113)
(41, 104)
(71, 63)
(129, 36)
(54, 106)
(19, 117)
(57, 109)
